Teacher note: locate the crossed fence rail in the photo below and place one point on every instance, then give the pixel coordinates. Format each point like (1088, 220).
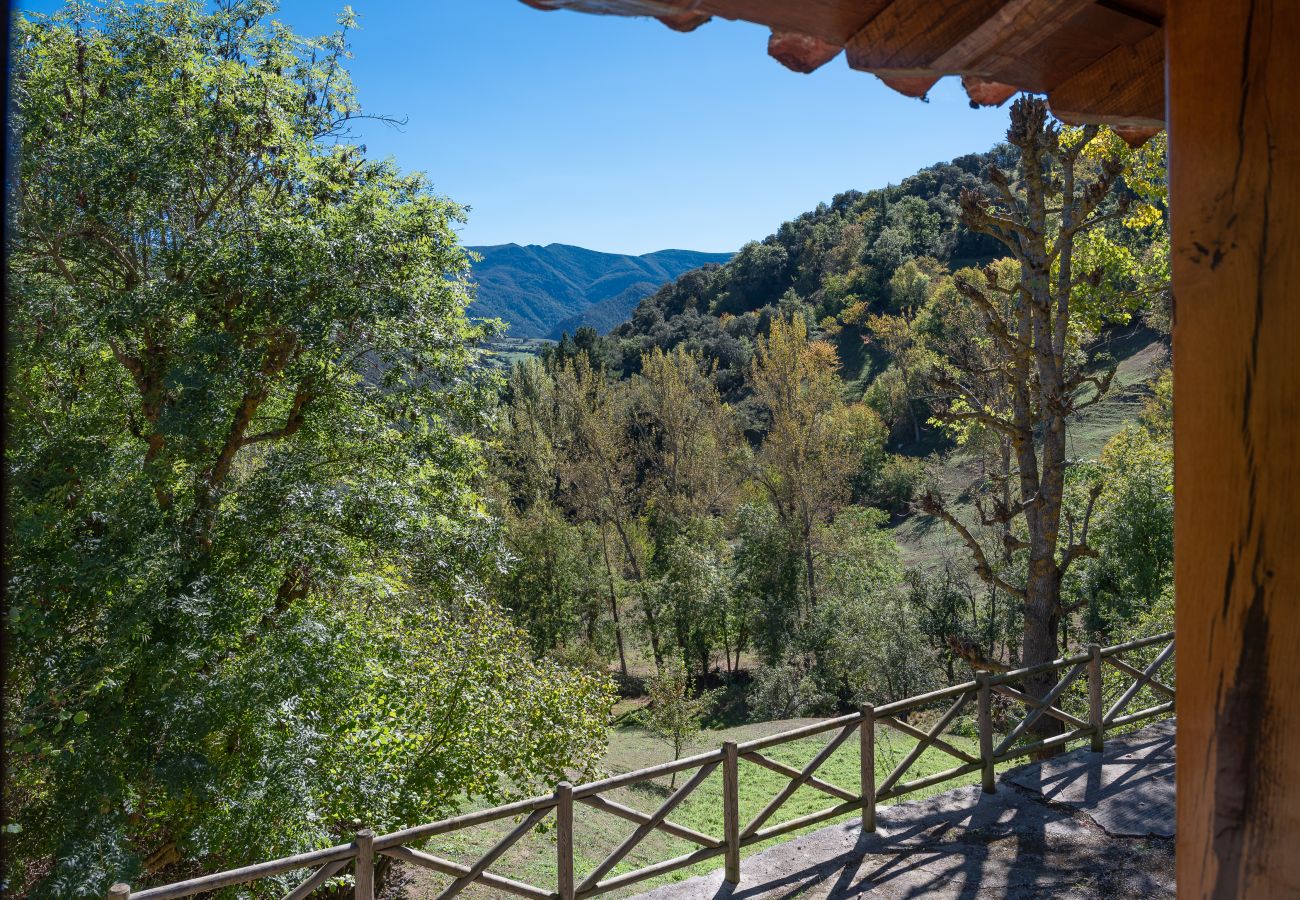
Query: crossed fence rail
(361, 852)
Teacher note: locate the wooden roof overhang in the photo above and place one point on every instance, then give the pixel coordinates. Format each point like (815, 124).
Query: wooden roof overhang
(1097, 61)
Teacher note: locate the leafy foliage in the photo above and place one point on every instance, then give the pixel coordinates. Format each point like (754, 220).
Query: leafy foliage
(243, 467)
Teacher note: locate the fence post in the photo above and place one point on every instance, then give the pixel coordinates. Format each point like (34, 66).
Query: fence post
(867, 766)
(986, 730)
(364, 874)
(731, 810)
(564, 839)
(119, 891)
(1094, 695)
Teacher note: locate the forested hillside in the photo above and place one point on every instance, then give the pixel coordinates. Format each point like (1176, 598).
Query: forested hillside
(741, 479)
(541, 292)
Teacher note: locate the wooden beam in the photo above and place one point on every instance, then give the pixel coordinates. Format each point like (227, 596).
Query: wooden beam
(800, 52)
(1234, 176)
(907, 36)
(1124, 87)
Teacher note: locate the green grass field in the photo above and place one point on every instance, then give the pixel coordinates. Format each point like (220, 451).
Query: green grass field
(631, 747)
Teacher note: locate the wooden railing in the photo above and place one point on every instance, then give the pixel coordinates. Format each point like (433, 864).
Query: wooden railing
(361, 852)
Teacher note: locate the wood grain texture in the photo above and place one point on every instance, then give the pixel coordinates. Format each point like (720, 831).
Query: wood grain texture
(1124, 87)
(1235, 203)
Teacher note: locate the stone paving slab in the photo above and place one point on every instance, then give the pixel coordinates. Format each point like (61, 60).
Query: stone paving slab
(1082, 825)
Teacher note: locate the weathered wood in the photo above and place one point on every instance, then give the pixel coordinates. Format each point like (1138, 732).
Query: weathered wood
(487, 859)
(1137, 685)
(119, 891)
(1059, 740)
(447, 867)
(456, 823)
(795, 734)
(912, 731)
(1124, 87)
(916, 784)
(564, 840)
(795, 783)
(647, 774)
(907, 37)
(218, 880)
(1055, 712)
(781, 768)
(638, 835)
(804, 821)
(364, 874)
(929, 738)
(319, 877)
(731, 810)
(1154, 683)
(985, 719)
(660, 868)
(1096, 720)
(1035, 714)
(867, 765)
(910, 703)
(604, 804)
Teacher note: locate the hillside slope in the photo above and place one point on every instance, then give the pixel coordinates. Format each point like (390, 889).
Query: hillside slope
(541, 291)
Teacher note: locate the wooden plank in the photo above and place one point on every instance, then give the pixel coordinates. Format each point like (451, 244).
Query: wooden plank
(456, 823)
(781, 768)
(1096, 720)
(564, 840)
(192, 886)
(1137, 685)
(815, 818)
(319, 877)
(363, 875)
(447, 867)
(1007, 690)
(1153, 683)
(731, 810)
(929, 738)
(650, 772)
(795, 734)
(604, 804)
(1124, 87)
(916, 784)
(999, 38)
(912, 731)
(660, 868)
(796, 783)
(867, 766)
(1035, 714)
(494, 854)
(638, 835)
(985, 719)
(907, 36)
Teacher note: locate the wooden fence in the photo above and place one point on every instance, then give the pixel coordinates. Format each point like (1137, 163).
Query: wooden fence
(361, 852)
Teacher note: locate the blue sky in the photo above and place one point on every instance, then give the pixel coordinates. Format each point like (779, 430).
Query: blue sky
(620, 134)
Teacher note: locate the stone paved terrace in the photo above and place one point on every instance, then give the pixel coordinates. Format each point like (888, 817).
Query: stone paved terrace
(1080, 825)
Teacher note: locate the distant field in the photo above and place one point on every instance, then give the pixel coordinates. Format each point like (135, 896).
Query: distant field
(596, 833)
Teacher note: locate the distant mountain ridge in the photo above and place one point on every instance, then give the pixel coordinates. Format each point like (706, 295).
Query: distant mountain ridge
(544, 291)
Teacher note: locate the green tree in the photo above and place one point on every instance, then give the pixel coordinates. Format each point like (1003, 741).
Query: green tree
(242, 467)
(1036, 325)
(674, 714)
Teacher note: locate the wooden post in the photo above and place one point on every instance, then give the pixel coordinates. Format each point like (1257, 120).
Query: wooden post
(731, 810)
(365, 867)
(1094, 696)
(564, 839)
(867, 766)
(119, 891)
(1234, 190)
(986, 731)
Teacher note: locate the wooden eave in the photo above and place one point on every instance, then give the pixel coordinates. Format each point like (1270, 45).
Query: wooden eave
(1097, 61)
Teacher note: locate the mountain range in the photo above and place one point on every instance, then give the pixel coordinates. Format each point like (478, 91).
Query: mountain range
(541, 292)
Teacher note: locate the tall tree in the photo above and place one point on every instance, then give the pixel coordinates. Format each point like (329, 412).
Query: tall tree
(1040, 376)
(814, 442)
(242, 470)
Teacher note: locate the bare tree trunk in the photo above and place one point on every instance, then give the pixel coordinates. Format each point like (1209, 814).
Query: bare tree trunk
(613, 600)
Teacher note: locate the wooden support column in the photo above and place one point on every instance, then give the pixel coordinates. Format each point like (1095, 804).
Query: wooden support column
(1234, 129)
